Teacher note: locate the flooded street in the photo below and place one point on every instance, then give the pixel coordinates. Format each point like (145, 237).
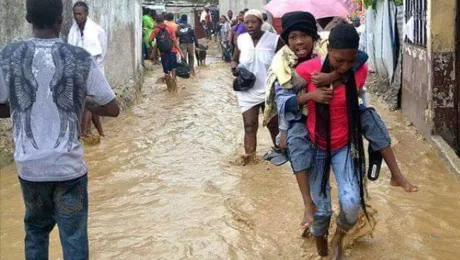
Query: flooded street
(162, 186)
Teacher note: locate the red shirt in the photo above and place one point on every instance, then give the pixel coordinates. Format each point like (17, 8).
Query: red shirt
(338, 105)
(171, 31)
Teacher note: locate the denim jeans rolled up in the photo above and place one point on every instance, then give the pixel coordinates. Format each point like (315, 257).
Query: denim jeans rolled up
(348, 191)
(62, 203)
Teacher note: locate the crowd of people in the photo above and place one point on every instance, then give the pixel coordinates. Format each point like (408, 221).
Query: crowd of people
(309, 90)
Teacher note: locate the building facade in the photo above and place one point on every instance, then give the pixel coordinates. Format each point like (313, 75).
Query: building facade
(430, 95)
(240, 5)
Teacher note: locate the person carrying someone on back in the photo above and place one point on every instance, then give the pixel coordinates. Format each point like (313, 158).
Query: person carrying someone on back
(168, 45)
(85, 33)
(206, 21)
(335, 129)
(254, 52)
(43, 86)
(188, 42)
(170, 21)
(284, 87)
(266, 26)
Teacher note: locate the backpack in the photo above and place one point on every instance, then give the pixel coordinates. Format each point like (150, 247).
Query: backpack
(164, 42)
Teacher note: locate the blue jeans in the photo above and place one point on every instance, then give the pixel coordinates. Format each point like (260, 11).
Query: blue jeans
(348, 190)
(51, 203)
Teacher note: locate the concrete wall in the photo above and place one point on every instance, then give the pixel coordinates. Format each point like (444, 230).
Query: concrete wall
(430, 85)
(443, 31)
(122, 22)
(239, 5)
(416, 84)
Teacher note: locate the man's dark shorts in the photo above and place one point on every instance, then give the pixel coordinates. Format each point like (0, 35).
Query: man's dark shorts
(169, 62)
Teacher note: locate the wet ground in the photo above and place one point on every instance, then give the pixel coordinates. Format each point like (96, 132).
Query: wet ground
(162, 187)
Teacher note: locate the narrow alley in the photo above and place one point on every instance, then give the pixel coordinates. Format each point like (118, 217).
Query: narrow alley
(162, 186)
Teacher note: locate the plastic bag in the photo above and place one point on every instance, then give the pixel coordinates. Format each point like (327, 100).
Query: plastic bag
(244, 81)
(183, 69)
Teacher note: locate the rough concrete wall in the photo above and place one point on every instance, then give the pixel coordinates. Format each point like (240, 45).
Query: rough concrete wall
(443, 31)
(429, 78)
(122, 22)
(13, 25)
(416, 87)
(239, 5)
(442, 23)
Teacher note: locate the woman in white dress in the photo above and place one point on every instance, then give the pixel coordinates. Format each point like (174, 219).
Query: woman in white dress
(255, 51)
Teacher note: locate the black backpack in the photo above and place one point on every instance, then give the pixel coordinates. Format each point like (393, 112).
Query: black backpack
(164, 42)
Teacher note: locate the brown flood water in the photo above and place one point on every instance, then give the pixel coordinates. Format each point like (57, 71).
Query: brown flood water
(161, 187)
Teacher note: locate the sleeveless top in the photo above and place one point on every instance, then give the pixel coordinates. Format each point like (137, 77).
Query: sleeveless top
(256, 59)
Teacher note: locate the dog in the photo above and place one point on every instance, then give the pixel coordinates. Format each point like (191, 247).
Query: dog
(201, 53)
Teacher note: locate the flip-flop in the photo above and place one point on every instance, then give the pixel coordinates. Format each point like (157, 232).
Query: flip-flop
(277, 157)
(375, 163)
(279, 160)
(273, 153)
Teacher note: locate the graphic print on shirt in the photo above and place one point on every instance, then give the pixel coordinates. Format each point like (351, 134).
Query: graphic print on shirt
(16, 65)
(69, 88)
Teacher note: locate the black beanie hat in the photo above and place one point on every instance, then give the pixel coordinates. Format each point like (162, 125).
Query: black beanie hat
(344, 36)
(299, 21)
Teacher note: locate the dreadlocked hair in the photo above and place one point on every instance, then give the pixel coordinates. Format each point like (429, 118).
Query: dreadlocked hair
(343, 36)
(43, 13)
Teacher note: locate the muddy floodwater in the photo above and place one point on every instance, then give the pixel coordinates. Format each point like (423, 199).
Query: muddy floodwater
(162, 186)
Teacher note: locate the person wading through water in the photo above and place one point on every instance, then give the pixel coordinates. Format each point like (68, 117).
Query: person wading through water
(85, 33)
(168, 45)
(335, 129)
(45, 82)
(188, 42)
(255, 51)
(148, 24)
(284, 87)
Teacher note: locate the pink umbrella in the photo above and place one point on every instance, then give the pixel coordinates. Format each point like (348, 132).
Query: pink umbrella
(319, 8)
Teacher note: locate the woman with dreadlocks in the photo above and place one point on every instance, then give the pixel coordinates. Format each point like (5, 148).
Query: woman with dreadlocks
(335, 129)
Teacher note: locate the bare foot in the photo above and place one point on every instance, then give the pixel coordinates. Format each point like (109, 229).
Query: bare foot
(246, 159)
(401, 181)
(337, 244)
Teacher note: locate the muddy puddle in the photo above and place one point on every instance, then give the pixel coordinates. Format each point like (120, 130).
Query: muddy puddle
(162, 187)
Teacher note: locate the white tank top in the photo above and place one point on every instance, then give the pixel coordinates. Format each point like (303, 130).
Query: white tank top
(256, 59)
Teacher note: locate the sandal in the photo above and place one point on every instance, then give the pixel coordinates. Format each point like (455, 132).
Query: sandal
(277, 157)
